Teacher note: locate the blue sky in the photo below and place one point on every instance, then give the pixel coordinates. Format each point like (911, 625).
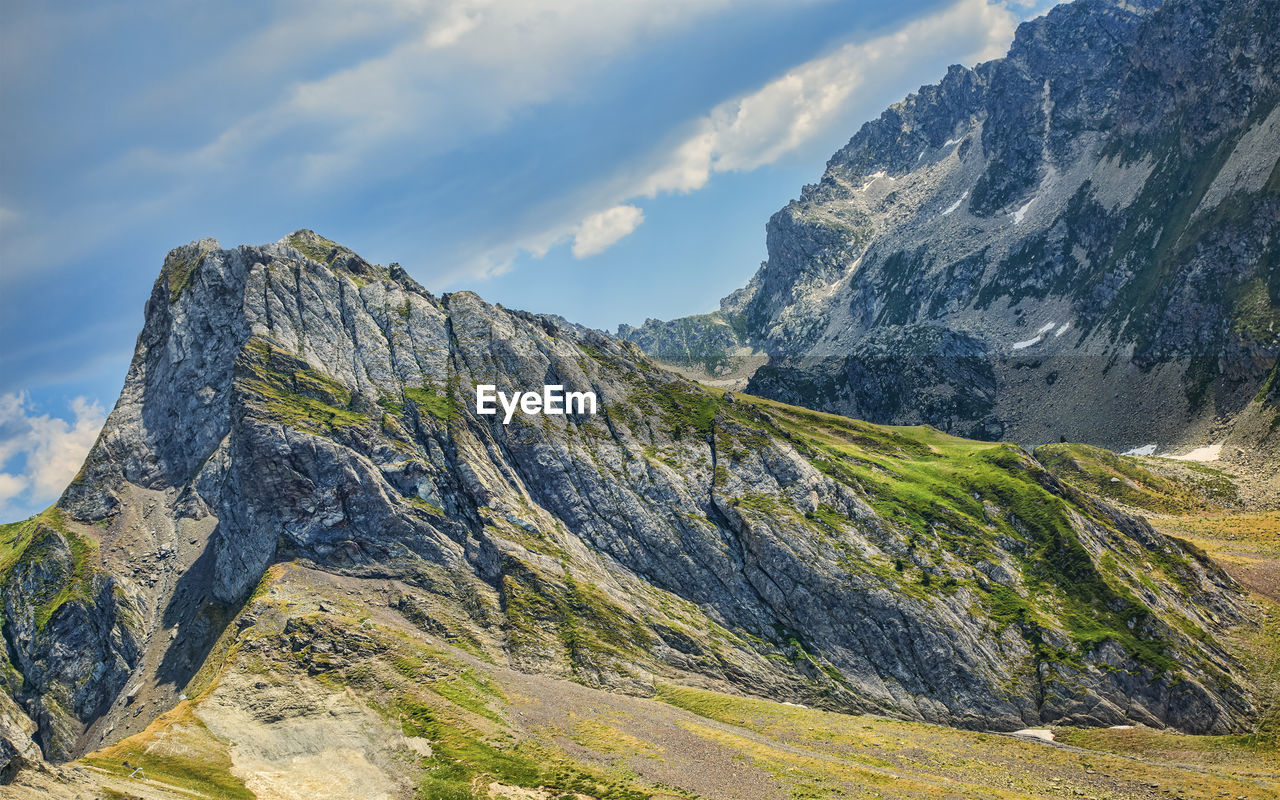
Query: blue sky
(607, 161)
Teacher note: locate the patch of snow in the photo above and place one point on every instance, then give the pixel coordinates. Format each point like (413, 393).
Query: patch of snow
(920, 156)
(1045, 328)
(1027, 343)
(1043, 734)
(1062, 329)
(1209, 453)
(1022, 212)
(950, 142)
(1121, 727)
(875, 176)
(956, 204)
(1145, 450)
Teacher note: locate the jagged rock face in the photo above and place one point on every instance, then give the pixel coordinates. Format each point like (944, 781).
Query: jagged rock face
(70, 644)
(293, 402)
(1095, 216)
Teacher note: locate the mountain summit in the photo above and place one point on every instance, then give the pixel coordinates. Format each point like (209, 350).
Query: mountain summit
(1080, 240)
(293, 404)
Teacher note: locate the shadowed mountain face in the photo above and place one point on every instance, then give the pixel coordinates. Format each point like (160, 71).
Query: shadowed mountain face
(1079, 239)
(292, 402)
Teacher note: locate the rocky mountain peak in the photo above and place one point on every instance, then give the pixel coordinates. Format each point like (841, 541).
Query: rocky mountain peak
(291, 403)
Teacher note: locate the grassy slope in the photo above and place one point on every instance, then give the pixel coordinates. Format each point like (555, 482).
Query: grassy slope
(955, 498)
(34, 540)
(494, 730)
(1247, 545)
(933, 485)
(1145, 484)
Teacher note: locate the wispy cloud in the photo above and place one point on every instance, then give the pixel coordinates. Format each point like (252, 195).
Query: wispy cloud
(788, 112)
(762, 126)
(305, 95)
(40, 454)
(454, 71)
(598, 232)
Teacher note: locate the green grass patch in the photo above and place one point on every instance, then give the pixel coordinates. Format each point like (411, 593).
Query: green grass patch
(23, 545)
(590, 626)
(461, 758)
(1125, 480)
(188, 757)
(179, 268)
(962, 496)
(685, 408)
(436, 403)
(315, 247)
(294, 393)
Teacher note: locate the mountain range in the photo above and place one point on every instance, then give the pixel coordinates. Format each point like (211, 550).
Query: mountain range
(292, 404)
(851, 558)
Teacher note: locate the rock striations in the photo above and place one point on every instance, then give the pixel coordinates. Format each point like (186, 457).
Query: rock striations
(1081, 239)
(292, 402)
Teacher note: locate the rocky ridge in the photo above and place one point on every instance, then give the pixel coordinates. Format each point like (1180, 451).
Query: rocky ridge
(293, 403)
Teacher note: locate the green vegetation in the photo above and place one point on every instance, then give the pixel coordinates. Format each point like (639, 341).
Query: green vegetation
(25, 544)
(1183, 488)
(189, 757)
(1255, 316)
(829, 517)
(461, 756)
(1118, 478)
(1240, 754)
(392, 405)
(425, 505)
(179, 269)
(438, 404)
(321, 250)
(589, 625)
(929, 761)
(960, 496)
(956, 496)
(294, 393)
(684, 407)
(460, 685)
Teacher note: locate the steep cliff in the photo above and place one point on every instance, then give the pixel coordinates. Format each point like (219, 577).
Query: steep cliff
(1079, 239)
(294, 403)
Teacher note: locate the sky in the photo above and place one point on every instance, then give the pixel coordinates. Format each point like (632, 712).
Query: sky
(605, 161)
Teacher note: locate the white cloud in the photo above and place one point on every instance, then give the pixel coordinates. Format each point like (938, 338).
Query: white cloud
(454, 71)
(314, 92)
(756, 129)
(789, 111)
(598, 232)
(10, 487)
(417, 78)
(51, 450)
